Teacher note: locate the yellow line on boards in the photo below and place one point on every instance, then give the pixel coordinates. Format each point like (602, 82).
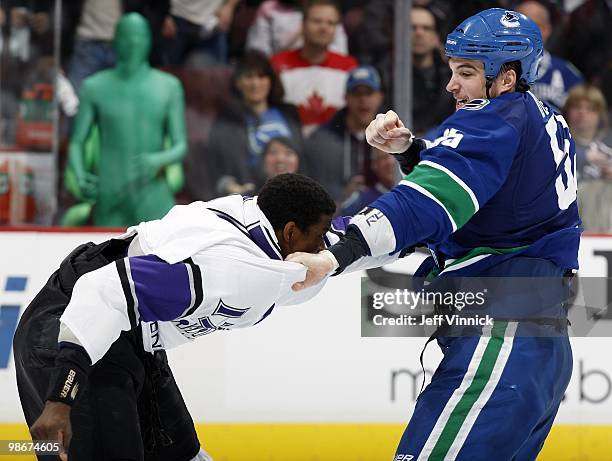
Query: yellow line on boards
(348, 442)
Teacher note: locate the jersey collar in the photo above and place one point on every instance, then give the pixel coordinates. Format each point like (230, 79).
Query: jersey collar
(260, 229)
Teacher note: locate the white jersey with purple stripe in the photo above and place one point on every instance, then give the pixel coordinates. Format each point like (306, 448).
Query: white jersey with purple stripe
(204, 267)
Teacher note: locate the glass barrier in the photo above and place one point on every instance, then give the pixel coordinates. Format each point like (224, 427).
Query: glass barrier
(28, 115)
(224, 136)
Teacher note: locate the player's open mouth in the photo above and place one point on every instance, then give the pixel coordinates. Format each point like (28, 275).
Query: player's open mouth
(459, 103)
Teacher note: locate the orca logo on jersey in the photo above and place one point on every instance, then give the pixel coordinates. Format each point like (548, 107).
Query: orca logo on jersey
(476, 104)
(510, 19)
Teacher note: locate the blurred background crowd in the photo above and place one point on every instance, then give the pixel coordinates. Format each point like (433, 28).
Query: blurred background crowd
(108, 126)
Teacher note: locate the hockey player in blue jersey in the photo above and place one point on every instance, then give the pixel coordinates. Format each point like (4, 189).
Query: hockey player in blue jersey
(493, 196)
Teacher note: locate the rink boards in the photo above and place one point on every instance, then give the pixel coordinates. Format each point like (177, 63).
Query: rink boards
(304, 384)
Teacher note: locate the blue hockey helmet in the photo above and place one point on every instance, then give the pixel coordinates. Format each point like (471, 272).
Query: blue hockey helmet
(495, 37)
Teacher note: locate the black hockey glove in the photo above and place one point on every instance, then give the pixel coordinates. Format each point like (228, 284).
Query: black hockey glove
(408, 159)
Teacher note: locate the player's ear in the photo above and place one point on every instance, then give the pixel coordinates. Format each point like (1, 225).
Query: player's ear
(509, 80)
(289, 232)
(286, 237)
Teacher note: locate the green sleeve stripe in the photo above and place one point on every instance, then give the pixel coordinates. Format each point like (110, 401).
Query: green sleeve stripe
(433, 198)
(452, 195)
(455, 178)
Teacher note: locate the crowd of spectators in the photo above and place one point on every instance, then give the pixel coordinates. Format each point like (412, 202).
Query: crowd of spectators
(304, 79)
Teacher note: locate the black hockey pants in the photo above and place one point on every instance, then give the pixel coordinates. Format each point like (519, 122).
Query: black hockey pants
(132, 408)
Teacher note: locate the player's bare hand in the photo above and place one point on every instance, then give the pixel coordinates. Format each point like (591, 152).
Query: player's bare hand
(388, 133)
(54, 424)
(319, 265)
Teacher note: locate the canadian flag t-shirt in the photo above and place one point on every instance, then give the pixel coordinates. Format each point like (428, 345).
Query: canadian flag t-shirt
(316, 89)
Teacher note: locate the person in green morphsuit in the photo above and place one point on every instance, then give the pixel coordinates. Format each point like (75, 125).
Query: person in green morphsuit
(139, 112)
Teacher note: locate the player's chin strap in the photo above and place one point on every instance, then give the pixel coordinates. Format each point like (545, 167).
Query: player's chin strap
(488, 86)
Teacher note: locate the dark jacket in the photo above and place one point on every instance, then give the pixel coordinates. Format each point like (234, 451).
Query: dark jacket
(431, 103)
(333, 156)
(227, 150)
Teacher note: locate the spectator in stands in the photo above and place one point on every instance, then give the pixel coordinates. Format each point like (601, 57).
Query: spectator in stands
(92, 22)
(93, 48)
(195, 31)
(555, 75)
(255, 115)
(443, 11)
(588, 39)
(337, 154)
(586, 113)
(313, 76)
(372, 44)
(280, 155)
(142, 139)
(387, 175)
(278, 27)
(431, 103)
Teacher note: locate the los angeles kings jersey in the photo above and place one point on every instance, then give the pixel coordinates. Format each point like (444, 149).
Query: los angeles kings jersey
(207, 266)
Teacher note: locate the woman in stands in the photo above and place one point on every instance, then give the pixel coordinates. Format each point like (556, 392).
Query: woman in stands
(254, 116)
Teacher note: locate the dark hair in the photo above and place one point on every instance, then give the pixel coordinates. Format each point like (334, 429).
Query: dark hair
(308, 4)
(521, 85)
(294, 197)
(257, 62)
(285, 141)
(430, 11)
(291, 3)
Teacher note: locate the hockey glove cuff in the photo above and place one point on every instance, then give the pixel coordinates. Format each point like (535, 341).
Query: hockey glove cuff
(408, 160)
(70, 374)
(348, 249)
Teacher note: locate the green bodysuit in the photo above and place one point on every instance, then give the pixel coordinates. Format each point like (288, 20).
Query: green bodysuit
(139, 112)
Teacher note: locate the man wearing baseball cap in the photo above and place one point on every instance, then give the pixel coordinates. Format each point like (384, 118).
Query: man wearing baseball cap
(337, 154)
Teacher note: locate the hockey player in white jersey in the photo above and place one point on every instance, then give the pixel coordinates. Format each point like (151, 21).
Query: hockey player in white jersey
(176, 282)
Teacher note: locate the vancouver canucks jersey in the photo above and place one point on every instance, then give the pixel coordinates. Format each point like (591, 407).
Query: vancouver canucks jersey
(499, 180)
(556, 77)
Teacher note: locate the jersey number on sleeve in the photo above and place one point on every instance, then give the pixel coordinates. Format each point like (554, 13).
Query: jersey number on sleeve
(557, 129)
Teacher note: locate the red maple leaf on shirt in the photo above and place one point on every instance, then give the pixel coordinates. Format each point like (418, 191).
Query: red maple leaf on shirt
(315, 111)
(315, 103)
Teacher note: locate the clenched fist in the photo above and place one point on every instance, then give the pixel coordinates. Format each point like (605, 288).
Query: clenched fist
(388, 133)
(319, 266)
(54, 424)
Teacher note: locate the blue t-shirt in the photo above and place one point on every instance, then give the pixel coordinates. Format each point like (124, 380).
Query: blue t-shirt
(556, 77)
(271, 124)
